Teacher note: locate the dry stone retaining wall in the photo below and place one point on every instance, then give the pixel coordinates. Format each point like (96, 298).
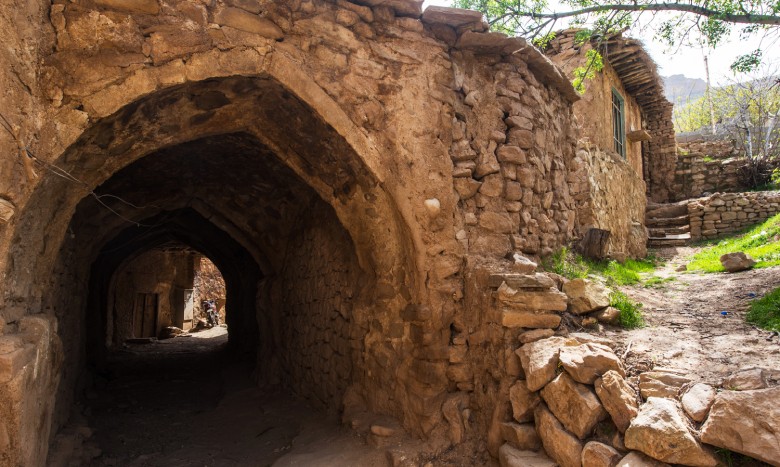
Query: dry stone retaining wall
(694, 177)
(725, 213)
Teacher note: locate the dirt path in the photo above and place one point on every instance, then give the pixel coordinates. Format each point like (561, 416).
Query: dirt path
(181, 402)
(686, 330)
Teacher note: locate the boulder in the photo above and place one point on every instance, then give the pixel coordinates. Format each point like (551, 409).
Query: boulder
(697, 401)
(747, 422)
(608, 315)
(586, 362)
(574, 404)
(637, 459)
(523, 402)
(596, 454)
(735, 262)
(661, 383)
(558, 443)
(586, 296)
(540, 359)
(521, 436)
(511, 457)
(618, 398)
(660, 431)
(747, 379)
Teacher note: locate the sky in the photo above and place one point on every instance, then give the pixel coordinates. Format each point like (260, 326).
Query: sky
(690, 61)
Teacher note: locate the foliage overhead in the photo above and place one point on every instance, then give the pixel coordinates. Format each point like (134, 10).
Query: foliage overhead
(690, 22)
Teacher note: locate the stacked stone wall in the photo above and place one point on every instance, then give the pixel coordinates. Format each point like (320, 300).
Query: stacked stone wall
(319, 334)
(512, 147)
(610, 195)
(726, 213)
(659, 155)
(695, 176)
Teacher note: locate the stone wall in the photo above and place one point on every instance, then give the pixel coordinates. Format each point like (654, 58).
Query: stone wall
(611, 196)
(725, 213)
(695, 177)
(320, 336)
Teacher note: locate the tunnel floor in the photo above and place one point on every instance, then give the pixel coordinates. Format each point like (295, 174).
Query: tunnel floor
(183, 402)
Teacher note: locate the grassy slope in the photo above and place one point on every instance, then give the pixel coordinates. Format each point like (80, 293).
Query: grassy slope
(762, 242)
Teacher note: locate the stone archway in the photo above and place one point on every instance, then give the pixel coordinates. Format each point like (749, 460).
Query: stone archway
(255, 134)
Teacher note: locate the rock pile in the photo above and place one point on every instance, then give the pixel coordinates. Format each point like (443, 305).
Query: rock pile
(575, 401)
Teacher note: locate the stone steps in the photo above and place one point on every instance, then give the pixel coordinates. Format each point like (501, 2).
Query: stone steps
(666, 231)
(666, 210)
(666, 221)
(669, 240)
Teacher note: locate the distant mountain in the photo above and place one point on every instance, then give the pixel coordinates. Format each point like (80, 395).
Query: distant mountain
(679, 89)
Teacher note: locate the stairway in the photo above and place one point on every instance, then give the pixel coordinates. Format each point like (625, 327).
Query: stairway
(667, 224)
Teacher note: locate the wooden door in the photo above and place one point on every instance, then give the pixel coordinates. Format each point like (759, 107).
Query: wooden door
(145, 315)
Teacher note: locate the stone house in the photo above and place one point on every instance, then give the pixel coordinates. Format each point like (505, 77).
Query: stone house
(363, 174)
(626, 136)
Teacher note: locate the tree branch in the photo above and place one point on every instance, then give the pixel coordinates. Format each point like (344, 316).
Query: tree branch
(747, 18)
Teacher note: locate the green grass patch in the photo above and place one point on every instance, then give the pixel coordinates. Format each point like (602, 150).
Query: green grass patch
(707, 159)
(573, 266)
(566, 263)
(760, 242)
(656, 282)
(765, 311)
(630, 311)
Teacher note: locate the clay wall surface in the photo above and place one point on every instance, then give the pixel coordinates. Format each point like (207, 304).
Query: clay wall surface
(695, 177)
(411, 148)
(725, 213)
(611, 196)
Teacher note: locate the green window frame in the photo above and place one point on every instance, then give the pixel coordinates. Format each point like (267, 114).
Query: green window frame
(619, 123)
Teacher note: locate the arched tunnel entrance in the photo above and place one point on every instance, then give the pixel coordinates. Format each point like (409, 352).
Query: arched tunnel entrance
(315, 257)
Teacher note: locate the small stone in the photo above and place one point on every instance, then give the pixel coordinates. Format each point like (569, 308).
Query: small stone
(596, 454)
(573, 404)
(697, 401)
(522, 265)
(535, 335)
(522, 437)
(383, 431)
(661, 432)
(608, 315)
(637, 459)
(248, 22)
(747, 379)
(618, 397)
(664, 383)
(509, 456)
(7, 210)
(433, 206)
(523, 402)
(586, 296)
(735, 262)
(586, 362)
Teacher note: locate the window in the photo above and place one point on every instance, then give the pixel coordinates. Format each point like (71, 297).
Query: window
(618, 123)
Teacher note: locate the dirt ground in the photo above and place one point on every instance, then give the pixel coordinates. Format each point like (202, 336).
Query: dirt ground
(182, 402)
(686, 328)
